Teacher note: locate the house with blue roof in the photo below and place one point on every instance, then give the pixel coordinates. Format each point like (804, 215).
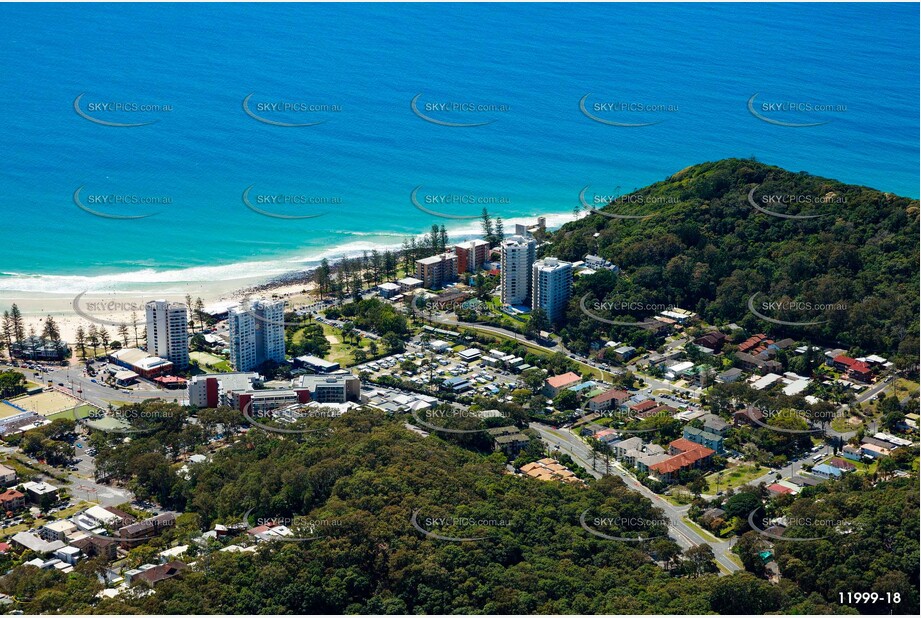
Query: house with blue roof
(827, 472)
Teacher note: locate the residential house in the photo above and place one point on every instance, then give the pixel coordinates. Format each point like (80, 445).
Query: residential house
(748, 416)
(729, 376)
(7, 476)
(753, 363)
(140, 532)
(510, 440)
(12, 500)
(156, 574)
(685, 455)
(554, 385)
(827, 472)
(608, 400)
(715, 424)
(704, 438)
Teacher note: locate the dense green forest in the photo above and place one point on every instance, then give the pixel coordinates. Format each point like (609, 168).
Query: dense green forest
(359, 482)
(704, 247)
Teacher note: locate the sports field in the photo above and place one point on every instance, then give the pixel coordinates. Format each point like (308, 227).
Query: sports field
(45, 403)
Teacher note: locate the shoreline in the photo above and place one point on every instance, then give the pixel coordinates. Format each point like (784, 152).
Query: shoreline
(115, 305)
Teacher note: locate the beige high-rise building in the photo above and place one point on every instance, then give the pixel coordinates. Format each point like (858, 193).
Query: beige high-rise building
(518, 254)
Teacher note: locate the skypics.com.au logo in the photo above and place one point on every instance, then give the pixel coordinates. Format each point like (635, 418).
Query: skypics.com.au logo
(790, 308)
(435, 203)
(114, 113)
(258, 416)
(773, 203)
(288, 113)
(776, 530)
(443, 528)
(115, 205)
(624, 529)
(272, 204)
(288, 529)
(790, 420)
(793, 113)
(593, 308)
(617, 113)
(453, 113)
(594, 202)
(96, 308)
(439, 419)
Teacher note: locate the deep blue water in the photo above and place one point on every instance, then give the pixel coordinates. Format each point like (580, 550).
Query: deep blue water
(703, 62)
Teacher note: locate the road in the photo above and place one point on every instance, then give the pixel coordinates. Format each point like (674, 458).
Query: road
(679, 530)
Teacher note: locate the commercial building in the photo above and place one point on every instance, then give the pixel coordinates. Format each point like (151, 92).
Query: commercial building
(213, 390)
(388, 290)
(408, 284)
(257, 334)
(437, 270)
(168, 332)
(141, 363)
(316, 364)
(337, 388)
(471, 255)
(518, 254)
(552, 287)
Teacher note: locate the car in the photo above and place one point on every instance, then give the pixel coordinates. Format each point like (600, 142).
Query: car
(60, 384)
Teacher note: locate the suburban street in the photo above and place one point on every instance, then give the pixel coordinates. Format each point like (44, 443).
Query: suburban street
(679, 530)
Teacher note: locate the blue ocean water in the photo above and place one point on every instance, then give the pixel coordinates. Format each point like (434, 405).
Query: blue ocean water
(530, 65)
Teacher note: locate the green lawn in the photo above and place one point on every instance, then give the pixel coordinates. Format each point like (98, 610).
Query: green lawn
(81, 411)
(211, 362)
(733, 477)
(843, 424)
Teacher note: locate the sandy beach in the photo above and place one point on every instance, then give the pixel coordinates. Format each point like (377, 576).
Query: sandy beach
(109, 309)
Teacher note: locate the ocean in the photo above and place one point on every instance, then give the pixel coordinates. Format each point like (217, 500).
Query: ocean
(466, 105)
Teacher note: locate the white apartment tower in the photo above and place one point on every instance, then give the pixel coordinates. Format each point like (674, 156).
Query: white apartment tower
(518, 253)
(168, 332)
(257, 334)
(552, 283)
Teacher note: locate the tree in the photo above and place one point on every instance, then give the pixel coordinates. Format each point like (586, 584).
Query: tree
(488, 233)
(537, 322)
(92, 337)
(665, 550)
(104, 340)
(123, 334)
(17, 323)
(81, 341)
(200, 313)
(134, 324)
(700, 560)
(748, 548)
(188, 305)
(393, 343)
(7, 332)
(567, 400)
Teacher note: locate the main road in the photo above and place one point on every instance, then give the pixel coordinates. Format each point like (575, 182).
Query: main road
(685, 536)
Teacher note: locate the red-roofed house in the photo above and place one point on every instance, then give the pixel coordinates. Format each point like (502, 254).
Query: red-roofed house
(553, 385)
(854, 368)
(755, 344)
(644, 406)
(685, 456)
(608, 400)
(779, 490)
